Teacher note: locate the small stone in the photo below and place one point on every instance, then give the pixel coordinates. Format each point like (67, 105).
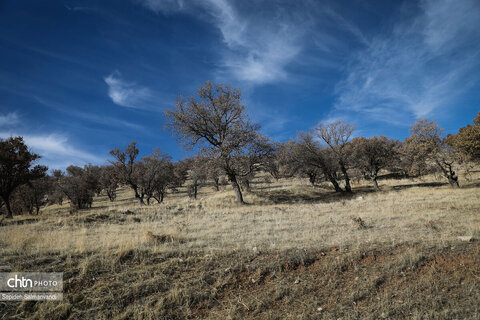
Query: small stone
(360, 198)
(465, 238)
(297, 281)
(319, 309)
(255, 250)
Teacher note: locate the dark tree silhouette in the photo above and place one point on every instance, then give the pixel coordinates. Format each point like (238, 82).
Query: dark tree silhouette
(79, 185)
(33, 195)
(16, 168)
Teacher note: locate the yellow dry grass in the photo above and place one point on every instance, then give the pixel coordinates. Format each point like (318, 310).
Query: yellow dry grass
(283, 215)
(292, 245)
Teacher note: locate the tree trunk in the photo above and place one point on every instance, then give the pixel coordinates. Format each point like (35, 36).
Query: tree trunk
(6, 200)
(312, 177)
(217, 184)
(110, 195)
(247, 185)
(161, 197)
(139, 198)
(236, 188)
(348, 188)
(195, 190)
(449, 174)
(335, 183)
(453, 180)
(375, 183)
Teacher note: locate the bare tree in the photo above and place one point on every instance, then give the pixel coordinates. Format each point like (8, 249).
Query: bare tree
(109, 181)
(427, 146)
(33, 195)
(214, 172)
(467, 141)
(56, 194)
(372, 155)
(180, 174)
(79, 186)
(16, 168)
(336, 136)
(155, 174)
(217, 120)
(272, 163)
(313, 156)
(198, 170)
(127, 170)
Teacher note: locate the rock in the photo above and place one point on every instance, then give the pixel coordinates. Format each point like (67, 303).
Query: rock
(128, 212)
(465, 238)
(360, 198)
(255, 250)
(297, 281)
(319, 309)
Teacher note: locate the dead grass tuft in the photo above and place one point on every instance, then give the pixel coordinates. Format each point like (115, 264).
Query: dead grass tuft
(159, 238)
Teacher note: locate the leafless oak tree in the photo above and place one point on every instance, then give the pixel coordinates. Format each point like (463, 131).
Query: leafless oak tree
(216, 120)
(373, 154)
(126, 168)
(427, 146)
(336, 136)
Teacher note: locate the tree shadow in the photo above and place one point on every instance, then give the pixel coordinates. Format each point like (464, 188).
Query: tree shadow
(283, 196)
(470, 185)
(422, 184)
(289, 197)
(268, 187)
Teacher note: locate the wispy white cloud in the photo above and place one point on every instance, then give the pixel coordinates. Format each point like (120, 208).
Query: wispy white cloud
(259, 44)
(56, 150)
(8, 119)
(164, 5)
(80, 8)
(417, 68)
(128, 94)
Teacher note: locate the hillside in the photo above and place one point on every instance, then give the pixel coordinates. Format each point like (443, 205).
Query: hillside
(294, 252)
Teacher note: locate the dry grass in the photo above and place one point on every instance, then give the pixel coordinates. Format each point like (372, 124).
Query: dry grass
(293, 252)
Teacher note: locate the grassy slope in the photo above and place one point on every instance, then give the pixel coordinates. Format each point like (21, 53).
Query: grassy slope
(313, 258)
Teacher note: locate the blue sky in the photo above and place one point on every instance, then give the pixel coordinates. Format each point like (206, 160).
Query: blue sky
(78, 78)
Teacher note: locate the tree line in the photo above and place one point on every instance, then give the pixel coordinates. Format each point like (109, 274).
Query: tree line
(231, 149)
